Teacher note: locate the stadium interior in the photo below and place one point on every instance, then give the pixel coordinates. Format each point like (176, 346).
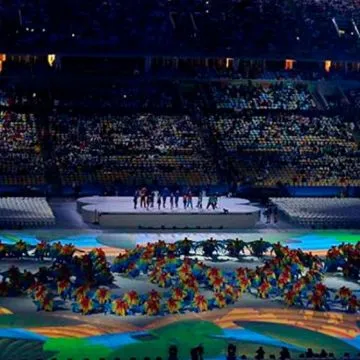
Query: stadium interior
(179, 179)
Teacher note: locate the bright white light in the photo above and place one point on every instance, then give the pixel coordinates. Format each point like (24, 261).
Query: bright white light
(207, 11)
(297, 38)
(43, 30)
(34, 95)
(124, 96)
(73, 35)
(32, 30)
(27, 29)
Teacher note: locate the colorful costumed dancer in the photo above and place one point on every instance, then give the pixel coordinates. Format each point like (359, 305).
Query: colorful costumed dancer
(164, 280)
(39, 292)
(284, 279)
(344, 294)
(232, 294)
(173, 306)
(217, 283)
(41, 250)
(64, 289)
(152, 307)
(353, 304)
(264, 289)
(85, 305)
(154, 295)
(119, 307)
(131, 298)
(292, 297)
(178, 294)
(200, 304)
(220, 300)
(318, 301)
(45, 303)
(80, 292)
(102, 295)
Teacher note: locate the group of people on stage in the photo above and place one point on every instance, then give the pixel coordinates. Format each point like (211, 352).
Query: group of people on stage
(147, 199)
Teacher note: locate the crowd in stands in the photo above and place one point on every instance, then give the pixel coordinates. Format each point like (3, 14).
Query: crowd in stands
(21, 159)
(290, 148)
(132, 149)
(10, 97)
(278, 134)
(277, 96)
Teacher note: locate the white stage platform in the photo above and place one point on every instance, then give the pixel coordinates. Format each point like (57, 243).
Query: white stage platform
(119, 212)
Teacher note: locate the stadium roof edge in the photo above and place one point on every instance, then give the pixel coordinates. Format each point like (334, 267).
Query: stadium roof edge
(273, 57)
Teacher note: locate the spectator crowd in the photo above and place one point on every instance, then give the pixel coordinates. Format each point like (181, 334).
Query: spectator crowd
(278, 96)
(21, 159)
(132, 149)
(278, 133)
(290, 148)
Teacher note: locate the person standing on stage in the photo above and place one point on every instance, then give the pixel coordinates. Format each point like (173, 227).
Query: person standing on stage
(185, 201)
(136, 197)
(177, 195)
(164, 196)
(216, 200)
(143, 197)
(211, 202)
(159, 202)
(171, 200)
(189, 200)
(156, 196)
(148, 201)
(200, 200)
(152, 199)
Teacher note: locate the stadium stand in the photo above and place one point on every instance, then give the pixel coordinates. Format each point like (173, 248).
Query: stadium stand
(289, 148)
(16, 212)
(132, 149)
(21, 158)
(323, 212)
(277, 96)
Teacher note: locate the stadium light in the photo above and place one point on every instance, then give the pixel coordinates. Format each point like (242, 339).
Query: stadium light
(289, 64)
(2, 60)
(327, 65)
(229, 62)
(51, 59)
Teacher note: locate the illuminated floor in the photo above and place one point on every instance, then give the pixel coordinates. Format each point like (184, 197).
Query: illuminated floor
(306, 240)
(249, 324)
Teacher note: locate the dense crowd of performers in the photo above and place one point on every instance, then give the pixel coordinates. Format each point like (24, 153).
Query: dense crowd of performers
(83, 282)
